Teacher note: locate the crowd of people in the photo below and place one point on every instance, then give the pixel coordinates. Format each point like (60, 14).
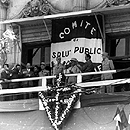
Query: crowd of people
(16, 72)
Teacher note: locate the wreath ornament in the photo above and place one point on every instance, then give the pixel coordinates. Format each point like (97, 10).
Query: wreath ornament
(58, 102)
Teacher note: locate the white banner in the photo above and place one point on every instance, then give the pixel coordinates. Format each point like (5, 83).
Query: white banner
(76, 48)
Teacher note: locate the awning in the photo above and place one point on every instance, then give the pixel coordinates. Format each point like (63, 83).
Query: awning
(104, 11)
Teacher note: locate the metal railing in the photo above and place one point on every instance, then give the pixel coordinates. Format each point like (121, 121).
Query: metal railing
(79, 83)
(43, 87)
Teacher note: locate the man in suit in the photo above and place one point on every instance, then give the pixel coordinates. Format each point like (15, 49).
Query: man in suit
(43, 72)
(5, 75)
(27, 73)
(87, 67)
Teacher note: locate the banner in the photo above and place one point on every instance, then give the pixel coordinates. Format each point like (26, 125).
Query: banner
(75, 37)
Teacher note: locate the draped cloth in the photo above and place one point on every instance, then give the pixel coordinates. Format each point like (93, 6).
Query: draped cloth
(19, 105)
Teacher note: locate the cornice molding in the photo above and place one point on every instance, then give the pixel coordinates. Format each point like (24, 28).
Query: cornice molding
(43, 7)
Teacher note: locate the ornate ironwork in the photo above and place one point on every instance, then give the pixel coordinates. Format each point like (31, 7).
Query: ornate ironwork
(43, 7)
(38, 8)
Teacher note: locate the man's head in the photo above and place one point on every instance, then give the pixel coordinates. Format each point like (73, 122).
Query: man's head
(74, 61)
(28, 66)
(42, 65)
(104, 55)
(36, 68)
(18, 66)
(87, 57)
(58, 59)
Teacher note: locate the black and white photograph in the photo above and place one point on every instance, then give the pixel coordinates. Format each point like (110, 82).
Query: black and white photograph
(64, 64)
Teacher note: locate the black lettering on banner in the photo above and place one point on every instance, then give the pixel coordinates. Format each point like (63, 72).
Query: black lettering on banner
(99, 67)
(86, 51)
(76, 49)
(61, 54)
(54, 55)
(90, 51)
(74, 39)
(81, 50)
(58, 54)
(94, 51)
(65, 53)
(99, 51)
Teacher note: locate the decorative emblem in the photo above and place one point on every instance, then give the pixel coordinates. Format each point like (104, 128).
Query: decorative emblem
(58, 102)
(37, 8)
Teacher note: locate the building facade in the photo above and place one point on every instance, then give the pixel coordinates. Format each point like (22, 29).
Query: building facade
(33, 45)
(35, 36)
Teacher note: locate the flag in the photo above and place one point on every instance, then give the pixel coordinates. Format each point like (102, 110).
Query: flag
(117, 118)
(124, 120)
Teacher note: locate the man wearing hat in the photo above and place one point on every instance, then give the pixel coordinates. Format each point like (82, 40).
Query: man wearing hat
(72, 70)
(43, 72)
(107, 65)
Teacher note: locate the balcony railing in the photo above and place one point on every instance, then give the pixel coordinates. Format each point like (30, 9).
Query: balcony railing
(43, 87)
(44, 82)
(25, 93)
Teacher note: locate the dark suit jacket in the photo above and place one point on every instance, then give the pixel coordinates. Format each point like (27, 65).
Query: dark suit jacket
(5, 75)
(27, 74)
(87, 67)
(14, 75)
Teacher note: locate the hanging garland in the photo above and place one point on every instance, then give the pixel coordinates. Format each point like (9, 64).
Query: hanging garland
(58, 103)
(60, 100)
